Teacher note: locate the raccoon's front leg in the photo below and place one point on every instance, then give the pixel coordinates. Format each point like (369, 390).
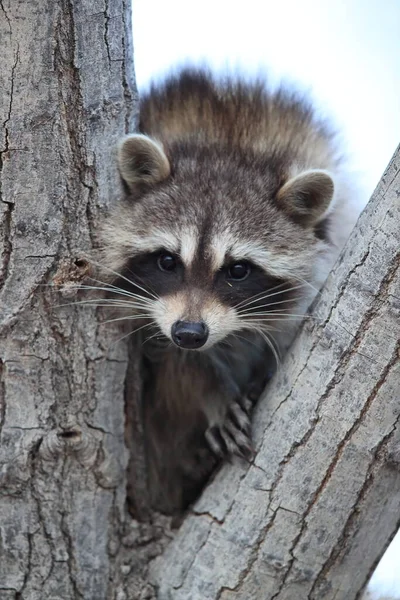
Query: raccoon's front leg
(231, 434)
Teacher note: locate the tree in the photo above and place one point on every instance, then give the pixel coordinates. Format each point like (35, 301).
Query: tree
(67, 95)
(314, 512)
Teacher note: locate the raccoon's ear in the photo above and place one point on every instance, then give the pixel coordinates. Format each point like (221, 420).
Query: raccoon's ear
(142, 160)
(307, 196)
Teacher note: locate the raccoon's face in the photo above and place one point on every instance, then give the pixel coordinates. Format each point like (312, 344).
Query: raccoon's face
(208, 244)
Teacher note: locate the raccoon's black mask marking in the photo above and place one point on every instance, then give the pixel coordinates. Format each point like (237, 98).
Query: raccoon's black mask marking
(145, 270)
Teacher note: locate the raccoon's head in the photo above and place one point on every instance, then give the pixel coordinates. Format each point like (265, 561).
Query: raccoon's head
(211, 241)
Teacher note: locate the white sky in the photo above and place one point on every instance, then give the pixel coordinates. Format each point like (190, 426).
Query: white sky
(346, 53)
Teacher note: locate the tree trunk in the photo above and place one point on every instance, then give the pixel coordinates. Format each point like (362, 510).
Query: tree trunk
(67, 95)
(314, 513)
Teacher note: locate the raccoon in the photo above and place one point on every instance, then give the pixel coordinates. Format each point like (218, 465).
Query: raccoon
(235, 207)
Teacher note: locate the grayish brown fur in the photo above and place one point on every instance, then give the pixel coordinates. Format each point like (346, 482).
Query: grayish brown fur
(224, 171)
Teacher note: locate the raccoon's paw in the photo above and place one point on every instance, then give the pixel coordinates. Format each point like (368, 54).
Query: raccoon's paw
(233, 436)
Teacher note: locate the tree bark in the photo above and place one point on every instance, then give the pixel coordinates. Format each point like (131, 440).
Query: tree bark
(312, 515)
(310, 518)
(67, 95)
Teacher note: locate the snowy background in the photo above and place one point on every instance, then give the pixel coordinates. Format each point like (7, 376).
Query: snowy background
(344, 53)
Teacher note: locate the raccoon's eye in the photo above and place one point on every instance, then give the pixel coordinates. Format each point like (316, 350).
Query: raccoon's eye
(239, 271)
(166, 262)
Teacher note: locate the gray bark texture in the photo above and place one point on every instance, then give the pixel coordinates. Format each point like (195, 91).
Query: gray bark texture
(66, 95)
(312, 515)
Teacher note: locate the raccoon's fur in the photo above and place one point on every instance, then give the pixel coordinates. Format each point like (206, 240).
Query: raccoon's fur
(235, 208)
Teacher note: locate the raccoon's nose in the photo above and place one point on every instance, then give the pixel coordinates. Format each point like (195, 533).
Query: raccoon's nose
(189, 335)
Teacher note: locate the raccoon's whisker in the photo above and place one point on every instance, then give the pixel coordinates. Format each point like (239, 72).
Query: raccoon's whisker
(113, 289)
(269, 304)
(143, 326)
(272, 344)
(255, 326)
(265, 314)
(251, 324)
(155, 296)
(276, 287)
(305, 282)
(260, 297)
(129, 318)
(156, 334)
(140, 301)
(126, 299)
(121, 290)
(257, 297)
(104, 303)
(261, 320)
(141, 279)
(268, 314)
(274, 311)
(109, 288)
(150, 338)
(130, 333)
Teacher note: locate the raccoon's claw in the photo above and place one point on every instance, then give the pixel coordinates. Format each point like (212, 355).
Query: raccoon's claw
(232, 437)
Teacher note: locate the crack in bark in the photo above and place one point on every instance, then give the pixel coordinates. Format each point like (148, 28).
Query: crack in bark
(379, 452)
(14, 66)
(7, 243)
(240, 482)
(178, 587)
(289, 394)
(89, 213)
(40, 256)
(32, 456)
(345, 283)
(71, 101)
(291, 562)
(98, 428)
(7, 221)
(26, 428)
(19, 594)
(106, 22)
(208, 516)
(255, 550)
(129, 98)
(69, 545)
(6, 16)
(2, 396)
